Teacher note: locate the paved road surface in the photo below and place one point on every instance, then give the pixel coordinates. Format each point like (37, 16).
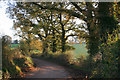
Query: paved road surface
(46, 69)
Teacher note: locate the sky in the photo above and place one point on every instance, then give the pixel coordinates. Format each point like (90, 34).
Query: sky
(6, 23)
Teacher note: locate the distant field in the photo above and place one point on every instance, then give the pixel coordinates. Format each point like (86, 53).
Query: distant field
(14, 45)
(79, 49)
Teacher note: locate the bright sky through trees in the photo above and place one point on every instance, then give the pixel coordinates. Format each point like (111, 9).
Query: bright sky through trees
(5, 22)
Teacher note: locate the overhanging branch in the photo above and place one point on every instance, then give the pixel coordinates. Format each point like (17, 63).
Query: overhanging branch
(71, 35)
(78, 8)
(70, 12)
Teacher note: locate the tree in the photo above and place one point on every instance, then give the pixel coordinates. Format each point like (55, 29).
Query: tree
(44, 22)
(6, 40)
(85, 14)
(28, 27)
(95, 15)
(6, 55)
(100, 21)
(88, 13)
(107, 23)
(15, 41)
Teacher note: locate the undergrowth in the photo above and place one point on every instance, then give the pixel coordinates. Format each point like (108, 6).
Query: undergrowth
(14, 63)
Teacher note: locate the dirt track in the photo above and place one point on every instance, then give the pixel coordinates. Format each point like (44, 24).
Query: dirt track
(46, 69)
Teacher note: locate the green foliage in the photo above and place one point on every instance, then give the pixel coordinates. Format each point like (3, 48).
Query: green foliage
(0, 74)
(6, 40)
(19, 62)
(14, 45)
(100, 22)
(23, 63)
(8, 69)
(15, 41)
(13, 61)
(62, 58)
(108, 66)
(86, 64)
(68, 47)
(29, 59)
(24, 47)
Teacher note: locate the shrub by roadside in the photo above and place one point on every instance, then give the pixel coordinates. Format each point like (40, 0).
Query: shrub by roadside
(13, 62)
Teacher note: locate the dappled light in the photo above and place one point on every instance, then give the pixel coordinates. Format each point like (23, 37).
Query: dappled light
(75, 40)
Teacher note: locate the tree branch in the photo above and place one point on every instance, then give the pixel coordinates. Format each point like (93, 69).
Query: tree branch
(70, 12)
(71, 35)
(76, 6)
(68, 30)
(40, 36)
(67, 21)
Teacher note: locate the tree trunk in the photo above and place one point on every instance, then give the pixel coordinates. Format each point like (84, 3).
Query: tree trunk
(53, 38)
(54, 43)
(119, 58)
(93, 40)
(29, 41)
(45, 48)
(63, 39)
(45, 45)
(63, 34)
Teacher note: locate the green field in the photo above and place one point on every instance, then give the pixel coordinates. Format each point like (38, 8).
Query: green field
(79, 49)
(14, 45)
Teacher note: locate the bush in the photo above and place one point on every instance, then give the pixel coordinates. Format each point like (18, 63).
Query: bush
(63, 58)
(24, 63)
(68, 47)
(108, 66)
(13, 61)
(24, 48)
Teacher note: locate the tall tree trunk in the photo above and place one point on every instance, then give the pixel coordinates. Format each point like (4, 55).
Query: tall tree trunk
(54, 43)
(119, 58)
(63, 39)
(93, 39)
(29, 41)
(45, 48)
(45, 44)
(63, 34)
(28, 44)
(53, 38)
